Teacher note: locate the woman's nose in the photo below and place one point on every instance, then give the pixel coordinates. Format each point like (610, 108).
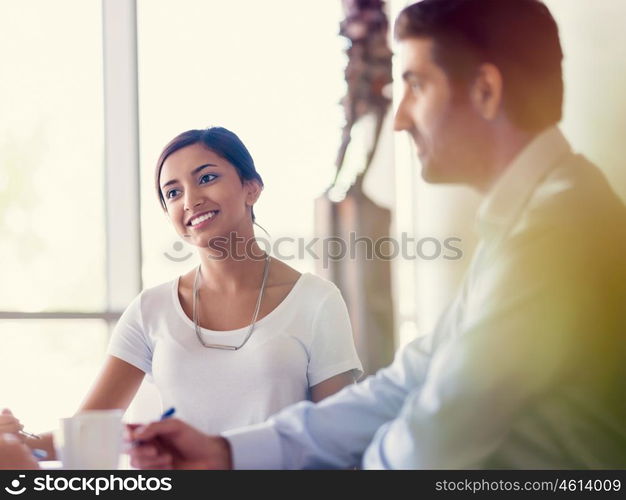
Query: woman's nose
(193, 200)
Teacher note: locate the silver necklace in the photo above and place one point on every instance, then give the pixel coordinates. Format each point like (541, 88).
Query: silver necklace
(254, 317)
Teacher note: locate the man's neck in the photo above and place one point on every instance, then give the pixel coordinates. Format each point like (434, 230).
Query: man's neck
(508, 144)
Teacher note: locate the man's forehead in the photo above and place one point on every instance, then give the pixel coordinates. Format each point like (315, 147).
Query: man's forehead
(416, 55)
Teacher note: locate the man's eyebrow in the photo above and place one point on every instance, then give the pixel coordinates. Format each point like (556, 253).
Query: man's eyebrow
(193, 172)
(412, 74)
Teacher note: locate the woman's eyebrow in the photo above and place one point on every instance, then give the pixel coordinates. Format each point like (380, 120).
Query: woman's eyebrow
(193, 172)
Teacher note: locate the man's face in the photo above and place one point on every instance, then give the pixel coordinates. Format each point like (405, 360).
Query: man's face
(450, 136)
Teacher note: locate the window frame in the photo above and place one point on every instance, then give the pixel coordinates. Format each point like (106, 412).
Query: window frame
(121, 165)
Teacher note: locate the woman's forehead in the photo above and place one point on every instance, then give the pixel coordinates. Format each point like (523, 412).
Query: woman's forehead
(190, 155)
(189, 158)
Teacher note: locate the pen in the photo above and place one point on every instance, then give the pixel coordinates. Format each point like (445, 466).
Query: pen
(168, 413)
(29, 434)
(39, 454)
(165, 415)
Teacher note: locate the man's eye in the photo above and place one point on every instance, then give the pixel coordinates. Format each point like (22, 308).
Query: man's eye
(207, 178)
(171, 193)
(417, 87)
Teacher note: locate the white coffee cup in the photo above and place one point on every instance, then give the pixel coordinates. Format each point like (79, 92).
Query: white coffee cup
(90, 440)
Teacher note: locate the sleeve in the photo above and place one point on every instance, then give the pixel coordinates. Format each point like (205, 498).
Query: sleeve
(522, 335)
(335, 432)
(332, 349)
(129, 341)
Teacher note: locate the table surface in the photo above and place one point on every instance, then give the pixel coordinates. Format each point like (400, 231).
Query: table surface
(56, 464)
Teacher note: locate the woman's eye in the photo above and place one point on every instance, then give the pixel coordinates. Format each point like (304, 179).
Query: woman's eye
(207, 178)
(171, 193)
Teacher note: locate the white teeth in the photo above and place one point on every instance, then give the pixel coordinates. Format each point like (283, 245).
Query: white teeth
(202, 218)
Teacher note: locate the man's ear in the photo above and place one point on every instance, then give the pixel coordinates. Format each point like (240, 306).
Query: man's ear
(253, 191)
(486, 91)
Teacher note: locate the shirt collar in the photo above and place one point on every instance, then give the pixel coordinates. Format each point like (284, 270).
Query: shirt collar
(514, 187)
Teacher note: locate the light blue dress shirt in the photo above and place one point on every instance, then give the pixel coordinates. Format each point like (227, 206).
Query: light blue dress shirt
(525, 368)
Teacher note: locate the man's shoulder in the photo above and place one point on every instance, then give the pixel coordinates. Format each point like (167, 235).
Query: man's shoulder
(575, 195)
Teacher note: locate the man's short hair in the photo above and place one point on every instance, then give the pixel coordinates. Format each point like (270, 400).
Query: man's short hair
(520, 37)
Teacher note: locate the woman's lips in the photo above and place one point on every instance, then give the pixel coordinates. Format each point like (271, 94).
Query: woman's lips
(205, 222)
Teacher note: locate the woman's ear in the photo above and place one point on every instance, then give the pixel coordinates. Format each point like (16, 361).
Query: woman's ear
(486, 91)
(253, 190)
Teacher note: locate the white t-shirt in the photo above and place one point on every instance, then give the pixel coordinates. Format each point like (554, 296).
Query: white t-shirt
(305, 340)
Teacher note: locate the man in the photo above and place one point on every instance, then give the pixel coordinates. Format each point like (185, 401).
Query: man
(525, 367)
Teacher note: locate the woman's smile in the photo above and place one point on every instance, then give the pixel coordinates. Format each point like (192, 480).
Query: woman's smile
(202, 220)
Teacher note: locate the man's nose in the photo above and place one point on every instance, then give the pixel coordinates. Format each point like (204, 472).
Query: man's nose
(402, 119)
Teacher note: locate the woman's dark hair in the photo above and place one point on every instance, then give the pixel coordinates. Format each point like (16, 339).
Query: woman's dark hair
(222, 142)
(520, 37)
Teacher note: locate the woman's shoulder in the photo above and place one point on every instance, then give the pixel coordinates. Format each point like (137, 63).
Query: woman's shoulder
(156, 295)
(310, 286)
(318, 286)
(282, 274)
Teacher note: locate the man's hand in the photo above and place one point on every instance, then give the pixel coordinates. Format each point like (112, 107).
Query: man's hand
(14, 454)
(173, 444)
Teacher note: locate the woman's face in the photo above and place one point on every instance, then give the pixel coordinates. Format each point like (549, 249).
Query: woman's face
(204, 195)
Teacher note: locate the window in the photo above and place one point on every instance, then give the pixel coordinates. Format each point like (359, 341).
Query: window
(47, 366)
(51, 175)
(269, 71)
(52, 249)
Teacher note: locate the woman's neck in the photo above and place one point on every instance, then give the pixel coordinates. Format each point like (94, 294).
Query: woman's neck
(233, 266)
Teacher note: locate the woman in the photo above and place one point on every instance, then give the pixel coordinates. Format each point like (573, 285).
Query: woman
(14, 455)
(241, 336)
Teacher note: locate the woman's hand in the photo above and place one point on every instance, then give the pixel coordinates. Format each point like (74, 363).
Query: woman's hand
(14, 454)
(8, 423)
